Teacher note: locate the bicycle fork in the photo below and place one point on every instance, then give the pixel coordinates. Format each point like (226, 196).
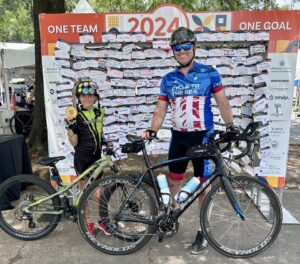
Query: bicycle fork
(232, 197)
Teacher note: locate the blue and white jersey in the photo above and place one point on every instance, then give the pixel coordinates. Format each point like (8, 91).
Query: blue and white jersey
(190, 97)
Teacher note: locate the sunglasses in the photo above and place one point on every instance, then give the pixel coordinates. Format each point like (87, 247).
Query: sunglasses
(185, 47)
(89, 90)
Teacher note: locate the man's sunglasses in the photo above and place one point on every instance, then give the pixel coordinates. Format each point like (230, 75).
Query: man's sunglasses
(185, 47)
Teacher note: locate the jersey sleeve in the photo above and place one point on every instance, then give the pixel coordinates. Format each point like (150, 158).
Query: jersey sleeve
(216, 81)
(163, 91)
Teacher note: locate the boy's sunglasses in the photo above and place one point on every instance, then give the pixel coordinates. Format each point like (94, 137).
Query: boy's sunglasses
(89, 90)
(185, 47)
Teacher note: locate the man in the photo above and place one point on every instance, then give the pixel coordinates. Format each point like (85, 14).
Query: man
(188, 89)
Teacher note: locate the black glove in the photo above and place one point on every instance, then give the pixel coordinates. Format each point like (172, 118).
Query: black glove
(231, 130)
(151, 132)
(71, 124)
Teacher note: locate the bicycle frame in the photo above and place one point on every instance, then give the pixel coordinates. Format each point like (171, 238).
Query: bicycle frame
(176, 213)
(97, 168)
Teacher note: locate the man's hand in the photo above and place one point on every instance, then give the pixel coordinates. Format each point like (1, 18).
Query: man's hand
(231, 130)
(148, 134)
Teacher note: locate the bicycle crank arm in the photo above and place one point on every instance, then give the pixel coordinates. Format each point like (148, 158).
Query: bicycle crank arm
(232, 198)
(135, 218)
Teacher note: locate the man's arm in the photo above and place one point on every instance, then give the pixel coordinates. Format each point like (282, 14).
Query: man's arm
(159, 115)
(224, 107)
(157, 118)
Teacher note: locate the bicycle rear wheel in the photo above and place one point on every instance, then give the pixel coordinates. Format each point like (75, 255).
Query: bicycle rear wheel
(108, 194)
(227, 232)
(20, 191)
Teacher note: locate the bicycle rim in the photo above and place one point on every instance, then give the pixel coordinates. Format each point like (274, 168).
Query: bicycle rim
(101, 204)
(225, 230)
(19, 192)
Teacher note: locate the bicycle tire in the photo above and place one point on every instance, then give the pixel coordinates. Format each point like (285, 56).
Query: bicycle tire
(12, 125)
(227, 233)
(125, 238)
(23, 189)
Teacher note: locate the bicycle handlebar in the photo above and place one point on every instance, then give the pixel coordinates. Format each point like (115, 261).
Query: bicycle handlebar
(249, 135)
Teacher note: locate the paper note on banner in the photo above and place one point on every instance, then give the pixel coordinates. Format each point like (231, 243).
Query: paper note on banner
(138, 37)
(124, 37)
(62, 45)
(162, 44)
(62, 54)
(260, 104)
(86, 38)
(108, 37)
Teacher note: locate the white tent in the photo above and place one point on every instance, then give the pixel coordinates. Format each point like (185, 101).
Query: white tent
(13, 58)
(15, 55)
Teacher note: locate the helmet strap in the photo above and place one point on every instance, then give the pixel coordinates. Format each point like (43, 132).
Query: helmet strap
(187, 64)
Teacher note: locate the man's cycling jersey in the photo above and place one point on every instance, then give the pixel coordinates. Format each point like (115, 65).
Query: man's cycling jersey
(190, 97)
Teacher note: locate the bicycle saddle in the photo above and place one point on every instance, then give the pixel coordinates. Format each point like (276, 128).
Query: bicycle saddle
(134, 138)
(49, 161)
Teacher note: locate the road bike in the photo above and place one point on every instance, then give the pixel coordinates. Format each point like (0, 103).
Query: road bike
(241, 216)
(36, 207)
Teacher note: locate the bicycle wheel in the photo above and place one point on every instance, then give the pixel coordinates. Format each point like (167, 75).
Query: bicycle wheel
(225, 230)
(104, 207)
(19, 192)
(108, 194)
(21, 123)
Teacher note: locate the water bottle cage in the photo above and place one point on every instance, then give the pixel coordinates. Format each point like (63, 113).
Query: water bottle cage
(163, 193)
(180, 192)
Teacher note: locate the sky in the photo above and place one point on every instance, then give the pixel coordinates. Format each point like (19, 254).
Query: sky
(286, 2)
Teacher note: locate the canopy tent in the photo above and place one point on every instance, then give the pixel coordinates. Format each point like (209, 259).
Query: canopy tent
(15, 55)
(15, 59)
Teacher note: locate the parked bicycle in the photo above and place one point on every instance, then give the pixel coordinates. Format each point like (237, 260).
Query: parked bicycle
(241, 216)
(36, 207)
(21, 122)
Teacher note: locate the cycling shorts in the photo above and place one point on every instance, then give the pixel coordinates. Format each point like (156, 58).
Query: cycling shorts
(83, 160)
(180, 142)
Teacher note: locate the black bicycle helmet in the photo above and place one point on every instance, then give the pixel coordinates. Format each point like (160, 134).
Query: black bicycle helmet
(84, 87)
(182, 35)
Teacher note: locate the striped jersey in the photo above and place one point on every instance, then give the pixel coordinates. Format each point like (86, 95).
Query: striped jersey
(190, 97)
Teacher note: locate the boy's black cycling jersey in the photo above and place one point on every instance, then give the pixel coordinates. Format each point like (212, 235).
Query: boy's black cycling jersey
(89, 133)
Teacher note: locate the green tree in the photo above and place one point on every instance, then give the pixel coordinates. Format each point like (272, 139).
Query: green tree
(16, 22)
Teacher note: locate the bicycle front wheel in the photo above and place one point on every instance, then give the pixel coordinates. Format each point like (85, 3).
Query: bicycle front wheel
(227, 232)
(101, 205)
(19, 192)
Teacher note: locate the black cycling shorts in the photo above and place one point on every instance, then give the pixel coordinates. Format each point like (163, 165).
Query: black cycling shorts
(180, 142)
(83, 160)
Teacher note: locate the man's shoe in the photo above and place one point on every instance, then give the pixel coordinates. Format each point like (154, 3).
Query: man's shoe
(199, 244)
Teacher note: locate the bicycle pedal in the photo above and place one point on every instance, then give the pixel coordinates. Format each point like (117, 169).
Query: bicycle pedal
(160, 239)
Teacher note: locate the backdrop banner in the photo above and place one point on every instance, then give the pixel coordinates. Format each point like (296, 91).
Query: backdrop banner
(127, 54)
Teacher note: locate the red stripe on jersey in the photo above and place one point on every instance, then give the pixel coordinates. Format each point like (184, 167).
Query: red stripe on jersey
(196, 106)
(163, 98)
(218, 88)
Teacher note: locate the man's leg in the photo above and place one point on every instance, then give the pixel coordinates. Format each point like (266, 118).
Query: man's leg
(175, 184)
(202, 168)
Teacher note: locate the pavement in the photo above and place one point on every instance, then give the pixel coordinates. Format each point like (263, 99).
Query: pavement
(66, 244)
